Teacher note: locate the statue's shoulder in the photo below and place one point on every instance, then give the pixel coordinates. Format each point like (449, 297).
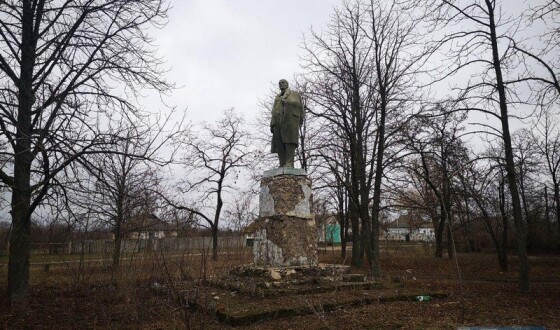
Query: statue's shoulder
(294, 93)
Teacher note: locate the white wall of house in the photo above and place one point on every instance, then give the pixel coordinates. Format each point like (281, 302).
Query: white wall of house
(416, 234)
(148, 235)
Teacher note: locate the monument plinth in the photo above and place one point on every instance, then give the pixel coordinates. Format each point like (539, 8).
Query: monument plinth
(286, 234)
(285, 237)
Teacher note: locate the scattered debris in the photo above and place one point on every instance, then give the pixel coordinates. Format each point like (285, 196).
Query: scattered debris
(423, 298)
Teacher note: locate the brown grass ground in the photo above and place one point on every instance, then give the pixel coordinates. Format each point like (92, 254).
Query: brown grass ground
(142, 296)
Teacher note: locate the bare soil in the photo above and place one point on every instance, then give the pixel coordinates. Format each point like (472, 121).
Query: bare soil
(151, 294)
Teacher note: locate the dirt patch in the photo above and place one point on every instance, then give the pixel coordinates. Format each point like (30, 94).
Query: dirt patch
(490, 298)
(235, 310)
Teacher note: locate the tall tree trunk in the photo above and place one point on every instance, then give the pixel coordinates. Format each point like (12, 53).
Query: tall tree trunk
(525, 207)
(447, 210)
(366, 239)
(219, 205)
(345, 213)
(118, 238)
(364, 203)
(354, 192)
(122, 212)
(439, 234)
(214, 242)
(468, 227)
(343, 233)
(356, 162)
(450, 242)
(364, 206)
(356, 237)
(557, 204)
(520, 228)
(376, 207)
(500, 248)
(343, 222)
(20, 240)
(344, 248)
(502, 253)
(117, 249)
(547, 214)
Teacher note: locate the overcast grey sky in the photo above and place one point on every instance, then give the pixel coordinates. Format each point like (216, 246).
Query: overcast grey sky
(227, 53)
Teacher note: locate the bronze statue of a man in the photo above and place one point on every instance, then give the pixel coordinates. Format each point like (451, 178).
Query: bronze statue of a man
(287, 117)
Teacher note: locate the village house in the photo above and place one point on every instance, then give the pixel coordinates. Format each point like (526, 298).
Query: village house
(409, 227)
(151, 228)
(328, 230)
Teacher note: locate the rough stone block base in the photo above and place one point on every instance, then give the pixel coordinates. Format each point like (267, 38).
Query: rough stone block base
(286, 234)
(285, 241)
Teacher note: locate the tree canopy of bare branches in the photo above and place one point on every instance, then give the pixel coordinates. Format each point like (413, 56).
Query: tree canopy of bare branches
(214, 157)
(69, 71)
(480, 38)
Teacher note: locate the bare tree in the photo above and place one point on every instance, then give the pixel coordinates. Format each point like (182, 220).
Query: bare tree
(540, 53)
(473, 34)
(242, 210)
(484, 184)
(123, 181)
(398, 56)
(528, 165)
(438, 155)
(338, 63)
(362, 74)
(66, 70)
(214, 158)
(546, 137)
(334, 178)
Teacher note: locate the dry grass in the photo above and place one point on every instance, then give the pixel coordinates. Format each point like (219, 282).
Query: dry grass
(146, 294)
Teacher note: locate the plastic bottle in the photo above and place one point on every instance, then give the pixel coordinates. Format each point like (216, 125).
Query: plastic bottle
(423, 298)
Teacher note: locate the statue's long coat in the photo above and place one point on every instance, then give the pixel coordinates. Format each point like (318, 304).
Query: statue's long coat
(289, 115)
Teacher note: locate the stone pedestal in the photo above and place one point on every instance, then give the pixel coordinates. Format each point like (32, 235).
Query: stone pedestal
(286, 234)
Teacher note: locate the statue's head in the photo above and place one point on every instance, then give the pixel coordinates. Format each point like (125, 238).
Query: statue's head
(283, 84)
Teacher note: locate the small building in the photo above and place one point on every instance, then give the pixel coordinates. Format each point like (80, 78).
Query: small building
(409, 228)
(249, 233)
(424, 232)
(328, 230)
(332, 233)
(152, 227)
